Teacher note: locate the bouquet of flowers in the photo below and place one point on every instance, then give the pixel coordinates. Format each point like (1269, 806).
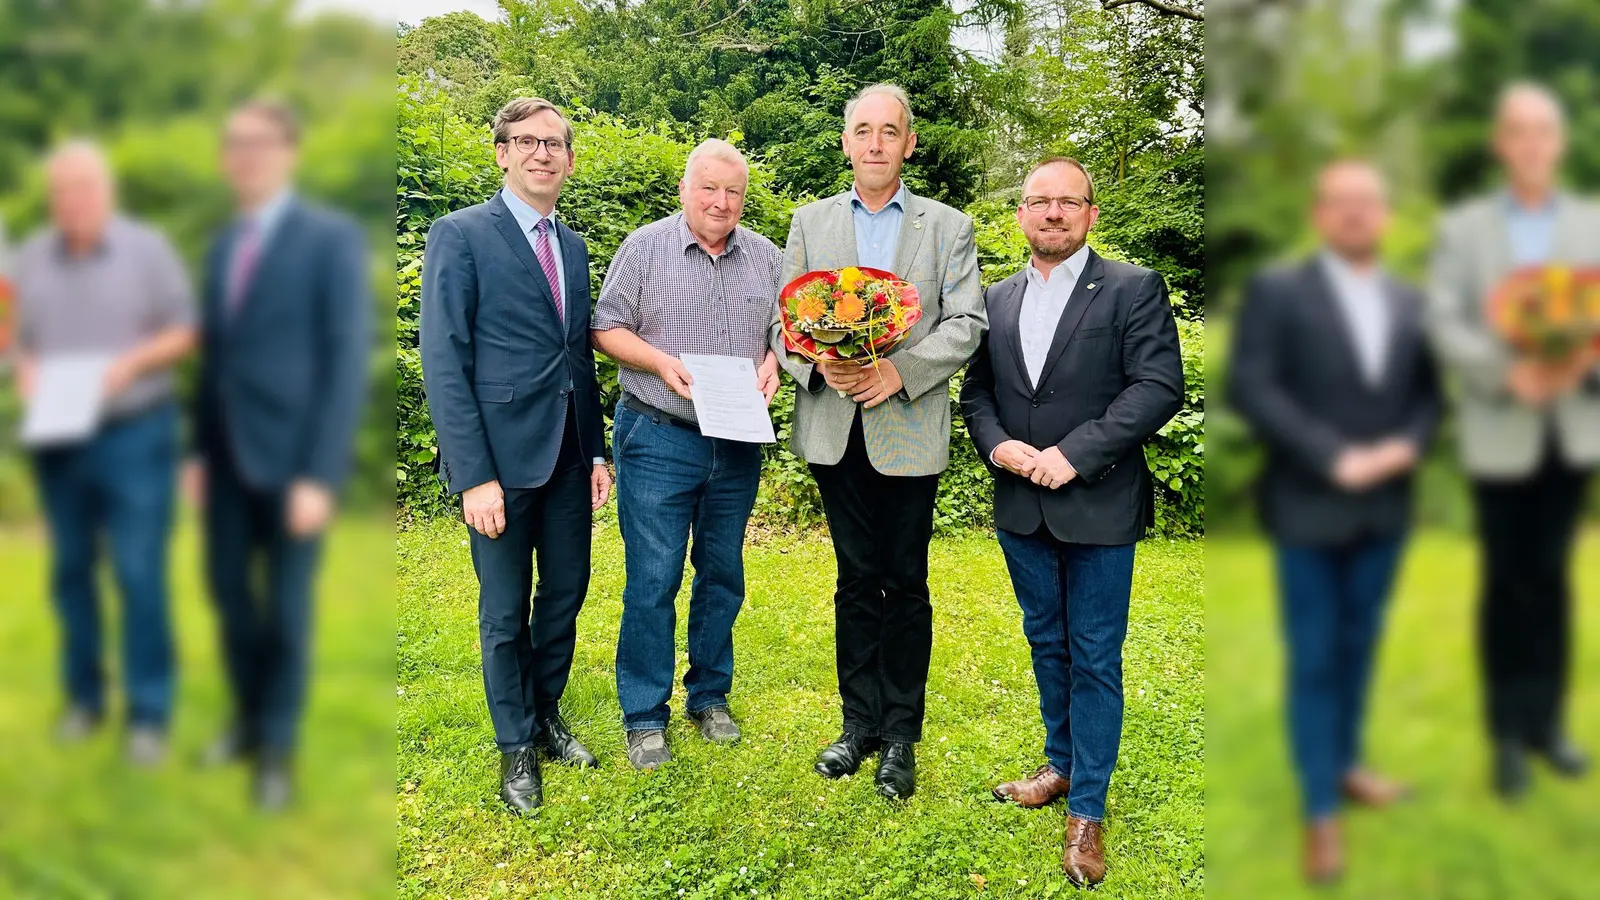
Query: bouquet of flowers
(849, 314)
(1549, 312)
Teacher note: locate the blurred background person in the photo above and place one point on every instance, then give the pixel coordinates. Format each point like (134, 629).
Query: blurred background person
(94, 282)
(1331, 370)
(1529, 432)
(282, 383)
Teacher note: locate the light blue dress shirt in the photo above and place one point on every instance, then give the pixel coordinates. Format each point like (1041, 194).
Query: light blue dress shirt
(528, 219)
(878, 233)
(1532, 232)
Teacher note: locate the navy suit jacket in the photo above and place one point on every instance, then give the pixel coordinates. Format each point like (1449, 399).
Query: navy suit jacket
(498, 363)
(1112, 378)
(283, 378)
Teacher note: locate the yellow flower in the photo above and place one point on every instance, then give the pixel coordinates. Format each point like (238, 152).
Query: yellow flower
(849, 277)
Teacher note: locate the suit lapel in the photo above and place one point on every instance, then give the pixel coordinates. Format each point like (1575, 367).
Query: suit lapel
(506, 224)
(1333, 319)
(1008, 316)
(575, 276)
(1404, 330)
(910, 237)
(1565, 242)
(1088, 288)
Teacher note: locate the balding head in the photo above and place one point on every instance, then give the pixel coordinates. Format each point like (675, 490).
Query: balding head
(1530, 137)
(82, 193)
(1351, 209)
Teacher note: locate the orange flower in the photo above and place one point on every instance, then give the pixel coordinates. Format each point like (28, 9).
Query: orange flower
(811, 308)
(849, 309)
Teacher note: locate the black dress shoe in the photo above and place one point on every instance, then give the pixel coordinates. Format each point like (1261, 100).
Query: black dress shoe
(1565, 757)
(557, 742)
(843, 757)
(520, 785)
(272, 785)
(1511, 776)
(897, 771)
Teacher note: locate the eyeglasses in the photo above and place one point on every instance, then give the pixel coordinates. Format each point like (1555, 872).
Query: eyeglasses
(527, 143)
(1068, 204)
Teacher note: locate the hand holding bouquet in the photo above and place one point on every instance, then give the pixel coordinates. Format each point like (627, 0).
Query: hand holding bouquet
(854, 314)
(1551, 316)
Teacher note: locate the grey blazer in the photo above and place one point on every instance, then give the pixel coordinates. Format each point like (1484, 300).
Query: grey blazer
(1500, 436)
(908, 434)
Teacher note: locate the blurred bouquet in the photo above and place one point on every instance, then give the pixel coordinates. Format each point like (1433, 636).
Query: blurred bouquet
(1549, 312)
(854, 313)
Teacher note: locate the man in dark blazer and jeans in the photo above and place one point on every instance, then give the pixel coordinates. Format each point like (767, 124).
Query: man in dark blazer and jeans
(1080, 366)
(1331, 370)
(510, 378)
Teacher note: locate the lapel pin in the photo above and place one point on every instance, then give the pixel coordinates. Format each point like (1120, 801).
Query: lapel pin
(1090, 287)
(917, 225)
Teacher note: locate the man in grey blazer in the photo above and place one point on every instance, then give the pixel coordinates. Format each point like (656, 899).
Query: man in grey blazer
(877, 437)
(1530, 431)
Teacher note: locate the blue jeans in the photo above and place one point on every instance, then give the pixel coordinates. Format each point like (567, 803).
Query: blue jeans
(117, 486)
(1074, 600)
(671, 483)
(1333, 600)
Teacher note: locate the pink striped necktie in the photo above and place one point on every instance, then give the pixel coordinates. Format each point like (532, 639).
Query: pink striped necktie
(245, 249)
(547, 261)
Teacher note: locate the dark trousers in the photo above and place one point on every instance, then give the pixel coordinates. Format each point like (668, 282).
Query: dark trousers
(118, 487)
(528, 634)
(1333, 598)
(883, 617)
(1528, 529)
(673, 483)
(261, 581)
(1074, 600)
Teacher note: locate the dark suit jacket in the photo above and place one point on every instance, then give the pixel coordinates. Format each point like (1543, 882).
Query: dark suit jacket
(1297, 380)
(1112, 378)
(498, 367)
(283, 378)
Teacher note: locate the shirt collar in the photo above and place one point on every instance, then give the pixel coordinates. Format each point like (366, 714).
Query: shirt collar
(898, 200)
(1072, 266)
(689, 240)
(102, 247)
(527, 217)
(1341, 270)
(271, 212)
(1548, 210)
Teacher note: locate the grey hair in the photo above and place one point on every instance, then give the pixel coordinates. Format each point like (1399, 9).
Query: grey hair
(893, 90)
(1517, 90)
(715, 148)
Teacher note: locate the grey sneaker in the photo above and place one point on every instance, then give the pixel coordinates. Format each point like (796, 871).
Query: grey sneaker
(147, 746)
(648, 749)
(716, 725)
(76, 725)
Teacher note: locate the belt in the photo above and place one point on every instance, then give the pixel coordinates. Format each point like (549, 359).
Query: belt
(645, 409)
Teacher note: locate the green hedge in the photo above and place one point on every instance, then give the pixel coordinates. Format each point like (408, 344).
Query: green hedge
(626, 176)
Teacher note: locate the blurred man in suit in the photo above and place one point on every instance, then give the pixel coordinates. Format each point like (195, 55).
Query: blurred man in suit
(1530, 432)
(877, 436)
(1081, 365)
(281, 391)
(510, 378)
(1332, 371)
(94, 282)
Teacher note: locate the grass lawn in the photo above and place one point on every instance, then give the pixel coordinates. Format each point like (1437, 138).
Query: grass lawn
(753, 820)
(78, 823)
(1453, 840)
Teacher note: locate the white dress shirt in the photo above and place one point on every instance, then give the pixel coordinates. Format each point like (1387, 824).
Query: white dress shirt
(1360, 297)
(1044, 300)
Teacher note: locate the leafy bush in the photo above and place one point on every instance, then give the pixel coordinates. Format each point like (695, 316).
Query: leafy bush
(625, 177)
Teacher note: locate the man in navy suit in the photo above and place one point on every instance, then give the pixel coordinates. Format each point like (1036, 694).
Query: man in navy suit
(509, 374)
(285, 347)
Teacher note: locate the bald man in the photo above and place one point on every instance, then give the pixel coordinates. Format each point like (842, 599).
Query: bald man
(1332, 372)
(1529, 431)
(94, 282)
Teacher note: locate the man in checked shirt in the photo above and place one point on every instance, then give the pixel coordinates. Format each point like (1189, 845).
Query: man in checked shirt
(693, 282)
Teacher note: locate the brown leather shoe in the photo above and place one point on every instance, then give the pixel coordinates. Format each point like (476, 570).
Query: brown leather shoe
(1324, 851)
(1371, 789)
(1039, 789)
(1084, 859)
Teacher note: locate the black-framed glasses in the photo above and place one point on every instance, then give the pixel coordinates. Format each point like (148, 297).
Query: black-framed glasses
(1068, 204)
(527, 143)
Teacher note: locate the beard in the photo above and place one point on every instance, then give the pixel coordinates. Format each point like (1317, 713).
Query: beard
(1054, 246)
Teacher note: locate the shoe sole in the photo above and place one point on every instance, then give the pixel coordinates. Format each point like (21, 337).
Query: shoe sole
(1007, 798)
